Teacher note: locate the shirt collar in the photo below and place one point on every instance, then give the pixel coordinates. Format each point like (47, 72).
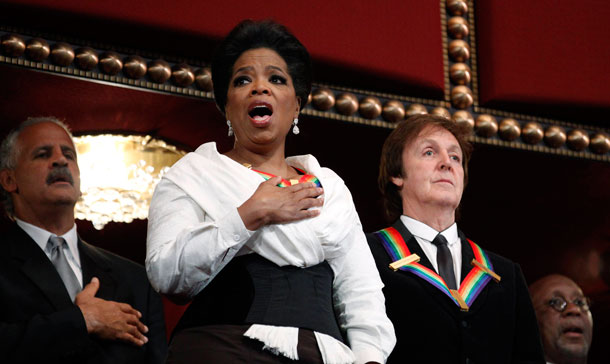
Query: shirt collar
(41, 237)
(425, 232)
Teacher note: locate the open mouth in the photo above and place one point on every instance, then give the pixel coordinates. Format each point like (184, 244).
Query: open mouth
(260, 112)
(573, 330)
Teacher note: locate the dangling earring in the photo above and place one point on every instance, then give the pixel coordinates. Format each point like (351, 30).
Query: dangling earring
(295, 128)
(230, 127)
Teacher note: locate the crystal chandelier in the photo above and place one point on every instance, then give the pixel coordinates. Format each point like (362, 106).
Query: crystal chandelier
(119, 174)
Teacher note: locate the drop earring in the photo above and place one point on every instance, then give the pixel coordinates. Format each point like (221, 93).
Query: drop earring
(295, 128)
(230, 127)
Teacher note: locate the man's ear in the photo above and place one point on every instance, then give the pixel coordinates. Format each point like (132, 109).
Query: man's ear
(398, 181)
(8, 181)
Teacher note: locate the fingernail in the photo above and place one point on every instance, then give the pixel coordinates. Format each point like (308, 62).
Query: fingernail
(145, 329)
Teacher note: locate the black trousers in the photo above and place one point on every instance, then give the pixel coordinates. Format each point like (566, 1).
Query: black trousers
(227, 344)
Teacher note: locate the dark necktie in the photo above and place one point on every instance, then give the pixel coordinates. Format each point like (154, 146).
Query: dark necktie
(444, 261)
(60, 262)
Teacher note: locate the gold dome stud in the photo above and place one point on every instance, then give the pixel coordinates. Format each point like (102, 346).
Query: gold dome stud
(111, 63)
(464, 119)
(346, 104)
(370, 107)
(183, 75)
(578, 140)
(416, 109)
(459, 51)
(486, 125)
(393, 111)
(600, 143)
(323, 99)
(134, 67)
(509, 129)
(441, 111)
(461, 97)
(37, 49)
(159, 71)
(62, 54)
(457, 7)
(86, 58)
(203, 78)
(555, 136)
(12, 45)
(532, 133)
(457, 27)
(460, 73)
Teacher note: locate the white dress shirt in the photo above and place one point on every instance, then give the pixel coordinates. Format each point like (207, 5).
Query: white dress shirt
(194, 230)
(70, 249)
(424, 235)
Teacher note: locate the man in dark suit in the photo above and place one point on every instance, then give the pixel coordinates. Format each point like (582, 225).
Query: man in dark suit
(566, 323)
(61, 299)
(450, 301)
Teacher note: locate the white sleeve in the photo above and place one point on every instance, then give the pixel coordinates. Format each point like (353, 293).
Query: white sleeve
(185, 249)
(358, 299)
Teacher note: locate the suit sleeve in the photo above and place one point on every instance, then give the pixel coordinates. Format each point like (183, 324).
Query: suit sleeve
(58, 336)
(527, 348)
(156, 348)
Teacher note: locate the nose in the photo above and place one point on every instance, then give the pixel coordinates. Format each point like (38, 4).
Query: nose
(260, 88)
(572, 309)
(59, 159)
(445, 161)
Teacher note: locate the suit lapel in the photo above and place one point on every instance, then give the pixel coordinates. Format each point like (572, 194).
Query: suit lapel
(36, 266)
(414, 247)
(467, 257)
(95, 265)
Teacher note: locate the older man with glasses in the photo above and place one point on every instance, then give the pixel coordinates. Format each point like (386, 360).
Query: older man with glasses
(565, 321)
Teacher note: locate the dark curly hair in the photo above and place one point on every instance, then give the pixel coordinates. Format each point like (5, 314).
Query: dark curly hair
(264, 34)
(391, 155)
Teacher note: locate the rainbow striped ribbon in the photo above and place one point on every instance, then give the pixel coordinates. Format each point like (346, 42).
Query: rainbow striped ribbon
(285, 183)
(471, 286)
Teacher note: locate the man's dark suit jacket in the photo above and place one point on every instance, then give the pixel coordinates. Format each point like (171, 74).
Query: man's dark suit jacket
(500, 326)
(40, 324)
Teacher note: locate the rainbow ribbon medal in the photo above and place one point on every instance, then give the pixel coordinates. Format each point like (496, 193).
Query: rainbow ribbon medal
(478, 277)
(285, 183)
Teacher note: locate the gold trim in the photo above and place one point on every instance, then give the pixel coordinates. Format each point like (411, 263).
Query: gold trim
(194, 91)
(474, 82)
(445, 44)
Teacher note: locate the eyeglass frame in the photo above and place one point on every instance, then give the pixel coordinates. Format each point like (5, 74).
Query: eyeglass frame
(560, 304)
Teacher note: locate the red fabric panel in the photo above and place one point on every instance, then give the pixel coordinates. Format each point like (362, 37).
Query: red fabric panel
(544, 52)
(397, 39)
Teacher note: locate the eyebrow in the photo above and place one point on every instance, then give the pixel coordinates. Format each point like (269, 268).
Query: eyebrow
(48, 147)
(248, 68)
(452, 147)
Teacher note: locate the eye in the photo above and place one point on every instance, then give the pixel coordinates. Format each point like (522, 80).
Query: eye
(70, 155)
(240, 81)
(278, 80)
(41, 154)
(428, 153)
(456, 158)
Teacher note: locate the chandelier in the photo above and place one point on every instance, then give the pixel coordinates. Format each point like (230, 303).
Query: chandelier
(119, 174)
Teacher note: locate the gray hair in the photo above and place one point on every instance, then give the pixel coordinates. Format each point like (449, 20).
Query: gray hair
(9, 153)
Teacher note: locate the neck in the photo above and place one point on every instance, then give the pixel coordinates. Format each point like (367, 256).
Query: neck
(269, 161)
(438, 217)
(57, 221)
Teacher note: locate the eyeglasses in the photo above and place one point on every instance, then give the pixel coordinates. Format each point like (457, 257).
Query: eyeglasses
(560, 304)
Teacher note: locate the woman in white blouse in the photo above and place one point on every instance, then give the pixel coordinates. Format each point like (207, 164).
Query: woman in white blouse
(269, 249)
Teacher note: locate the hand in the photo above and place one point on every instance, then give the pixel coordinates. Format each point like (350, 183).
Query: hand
(273, 205)
(110, 320)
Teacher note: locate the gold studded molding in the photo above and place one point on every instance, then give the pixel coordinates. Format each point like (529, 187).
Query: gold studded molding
(129, 67)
